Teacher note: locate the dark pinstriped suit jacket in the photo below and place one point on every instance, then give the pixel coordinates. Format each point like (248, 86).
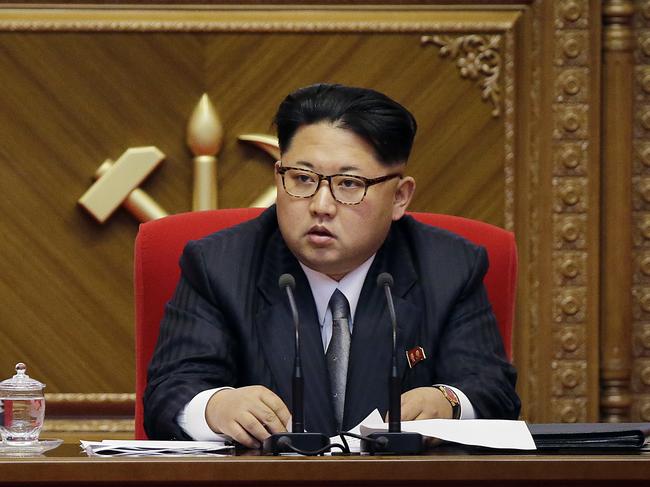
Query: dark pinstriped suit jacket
(228, 323)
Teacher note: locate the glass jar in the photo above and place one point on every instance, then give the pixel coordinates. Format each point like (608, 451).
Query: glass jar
(22, 408)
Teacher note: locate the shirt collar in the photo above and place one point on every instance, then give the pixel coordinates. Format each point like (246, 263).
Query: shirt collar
(322, 287)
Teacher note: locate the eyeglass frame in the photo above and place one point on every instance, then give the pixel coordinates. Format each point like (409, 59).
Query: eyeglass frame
(321, 177)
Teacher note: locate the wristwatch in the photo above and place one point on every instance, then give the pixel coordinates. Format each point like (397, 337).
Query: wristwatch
(452, 397)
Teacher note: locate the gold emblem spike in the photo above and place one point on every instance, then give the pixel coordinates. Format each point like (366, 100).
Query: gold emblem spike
(118, 183)
(269, 144)
(205, 138)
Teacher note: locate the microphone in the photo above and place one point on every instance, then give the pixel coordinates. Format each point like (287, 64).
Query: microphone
(297, 440)
(288, 283)
(394, 441)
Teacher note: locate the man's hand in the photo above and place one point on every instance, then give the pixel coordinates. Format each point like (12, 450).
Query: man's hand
(248, 414)
(425, 403)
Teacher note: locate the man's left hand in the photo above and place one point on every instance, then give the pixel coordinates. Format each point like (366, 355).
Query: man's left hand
(425, 403)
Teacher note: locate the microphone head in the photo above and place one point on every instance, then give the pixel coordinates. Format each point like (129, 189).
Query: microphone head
(384, 279)
(287, 280)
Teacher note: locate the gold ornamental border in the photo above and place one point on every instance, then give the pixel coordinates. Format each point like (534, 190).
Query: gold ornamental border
(95, 397)
(269, 19)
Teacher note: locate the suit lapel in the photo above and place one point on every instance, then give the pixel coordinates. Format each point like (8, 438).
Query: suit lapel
(277, 333)
(371, 348)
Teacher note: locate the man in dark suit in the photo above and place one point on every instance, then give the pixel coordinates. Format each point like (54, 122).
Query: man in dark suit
(224, 357)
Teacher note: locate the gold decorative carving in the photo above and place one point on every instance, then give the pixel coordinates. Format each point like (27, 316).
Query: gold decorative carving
(645, 376)
(569, 268)
(509, 129)
(643, 79)
(571, 84)
(645, 302)
(569, 305)
(644, 43)
(570, 121)
(644, 410)
(643, 115)
(568, 342)
(475, 55)
(641, 340)
(645, 339)
(644, 226)
(254, 19)
(572, 313)
(117, 184)
(569, 195)
(205, 139)
(569, 159)
(641, 374)
(570, 10)
(642, 152)
(569, 377)
(569, 231)
(645, 9)
(643, 188)
(99, 397)
(533, 359)
(569, 410)
(642, 267)
(641, 303)
(572, 47)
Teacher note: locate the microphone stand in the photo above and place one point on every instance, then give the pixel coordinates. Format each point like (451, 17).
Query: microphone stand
(394, 441)
(298, 440)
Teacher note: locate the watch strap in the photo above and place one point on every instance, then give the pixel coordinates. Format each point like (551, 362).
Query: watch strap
(452, 397)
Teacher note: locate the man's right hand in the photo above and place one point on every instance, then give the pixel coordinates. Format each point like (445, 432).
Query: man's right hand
(248, 415)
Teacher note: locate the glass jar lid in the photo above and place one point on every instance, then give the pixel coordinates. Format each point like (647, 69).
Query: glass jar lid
(21, 381)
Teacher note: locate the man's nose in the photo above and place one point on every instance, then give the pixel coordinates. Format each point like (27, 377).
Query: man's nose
(323, 202)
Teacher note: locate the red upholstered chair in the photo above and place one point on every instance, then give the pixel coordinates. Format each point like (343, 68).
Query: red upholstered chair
(159, 244)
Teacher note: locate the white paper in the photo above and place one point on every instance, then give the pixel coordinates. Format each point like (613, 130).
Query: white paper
(490, 433)
(116, 448)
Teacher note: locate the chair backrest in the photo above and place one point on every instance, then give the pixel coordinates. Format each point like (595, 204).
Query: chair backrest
(159, 244)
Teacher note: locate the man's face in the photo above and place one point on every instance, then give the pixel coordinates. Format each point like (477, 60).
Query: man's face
(325, 235)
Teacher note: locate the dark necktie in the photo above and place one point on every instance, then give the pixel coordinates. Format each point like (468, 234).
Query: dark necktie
(338, 351)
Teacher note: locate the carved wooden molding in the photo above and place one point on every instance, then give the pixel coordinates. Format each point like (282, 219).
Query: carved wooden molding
(640, 409)
(477, 58)
(572, 278)
(254, 19)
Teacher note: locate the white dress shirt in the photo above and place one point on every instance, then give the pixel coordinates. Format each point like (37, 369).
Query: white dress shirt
(192, 417)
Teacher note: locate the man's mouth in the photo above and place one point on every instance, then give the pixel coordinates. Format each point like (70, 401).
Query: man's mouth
(320, 235)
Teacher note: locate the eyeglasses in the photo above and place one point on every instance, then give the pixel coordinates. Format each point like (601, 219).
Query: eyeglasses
(345, 188)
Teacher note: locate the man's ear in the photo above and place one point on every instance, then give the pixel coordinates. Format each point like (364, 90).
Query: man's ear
(403, 195)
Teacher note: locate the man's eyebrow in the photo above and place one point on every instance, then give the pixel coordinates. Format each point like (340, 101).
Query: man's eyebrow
(342, 169)
(305, 163)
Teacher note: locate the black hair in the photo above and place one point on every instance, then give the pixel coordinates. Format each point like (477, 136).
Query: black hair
(382, 122)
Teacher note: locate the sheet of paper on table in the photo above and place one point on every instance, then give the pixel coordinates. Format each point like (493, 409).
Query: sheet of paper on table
(135, 448)
(489, 433)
